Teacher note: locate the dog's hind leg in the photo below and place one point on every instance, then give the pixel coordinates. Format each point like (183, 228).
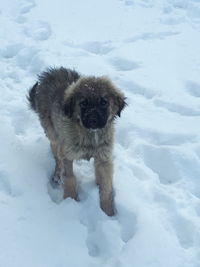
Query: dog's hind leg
(52, 136)
(55, 179)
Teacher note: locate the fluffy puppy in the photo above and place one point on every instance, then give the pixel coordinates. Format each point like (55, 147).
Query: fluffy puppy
(77, 114)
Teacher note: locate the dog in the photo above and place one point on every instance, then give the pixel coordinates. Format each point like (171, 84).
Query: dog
(77, 113)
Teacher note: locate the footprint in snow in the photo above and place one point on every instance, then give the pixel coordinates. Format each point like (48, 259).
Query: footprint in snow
(197, 208)
(7, 187)
(29, 59)
(11, 50)
(39, 31)
(164, 138)
(122, 64)
(151, 36)
(137, 89)
(98, 48)
(24, 8)
(128, 2)
(184, 228)
(103, 233)
(128, 223)
(177, 108)
(146, 3)
(143, 3)
(193, 11)
(4, 183)
(162, 162)
(172, 20)
(104, 240)
(193, 88)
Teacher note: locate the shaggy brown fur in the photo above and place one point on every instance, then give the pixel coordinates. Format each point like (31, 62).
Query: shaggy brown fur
(77, 114)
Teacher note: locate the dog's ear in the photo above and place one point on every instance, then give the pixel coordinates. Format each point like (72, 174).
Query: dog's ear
(69, 105)
(119, 100)
(120, 103)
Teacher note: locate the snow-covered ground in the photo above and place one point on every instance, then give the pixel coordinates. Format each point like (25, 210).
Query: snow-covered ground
(151, 50)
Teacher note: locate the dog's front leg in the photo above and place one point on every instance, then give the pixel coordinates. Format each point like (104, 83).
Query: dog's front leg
(68, 179)
(104, 173)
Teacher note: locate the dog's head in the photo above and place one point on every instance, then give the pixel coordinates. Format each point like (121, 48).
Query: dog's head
(93, 102)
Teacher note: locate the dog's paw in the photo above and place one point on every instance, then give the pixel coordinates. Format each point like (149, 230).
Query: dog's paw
(70, 192)
(108, 208)
(55, 181)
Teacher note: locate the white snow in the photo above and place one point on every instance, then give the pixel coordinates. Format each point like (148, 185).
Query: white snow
(151, 50)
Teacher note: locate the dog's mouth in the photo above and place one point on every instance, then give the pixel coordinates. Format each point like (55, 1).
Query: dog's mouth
(93, 120)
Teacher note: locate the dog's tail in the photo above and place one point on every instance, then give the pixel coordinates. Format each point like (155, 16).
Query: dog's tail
(31, 96)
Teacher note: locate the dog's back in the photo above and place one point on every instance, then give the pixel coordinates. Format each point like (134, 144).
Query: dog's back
(50, 88)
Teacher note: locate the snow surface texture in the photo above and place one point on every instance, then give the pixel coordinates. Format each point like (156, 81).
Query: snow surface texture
(151, 50)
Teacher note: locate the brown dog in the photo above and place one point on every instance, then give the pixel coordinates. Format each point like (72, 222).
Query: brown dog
(77, 114)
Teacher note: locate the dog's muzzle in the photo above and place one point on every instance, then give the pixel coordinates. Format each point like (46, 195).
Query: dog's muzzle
(93, 120)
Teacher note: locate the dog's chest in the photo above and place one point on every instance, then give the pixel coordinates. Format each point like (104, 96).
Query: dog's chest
(93, 138)
(88, 145)
(78, 143)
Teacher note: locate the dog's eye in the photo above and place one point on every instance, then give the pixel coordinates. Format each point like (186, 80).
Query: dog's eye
(83, 103)
(103, 102)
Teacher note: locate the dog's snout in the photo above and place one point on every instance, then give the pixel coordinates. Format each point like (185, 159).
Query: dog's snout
(92, 122)
(93, 119)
